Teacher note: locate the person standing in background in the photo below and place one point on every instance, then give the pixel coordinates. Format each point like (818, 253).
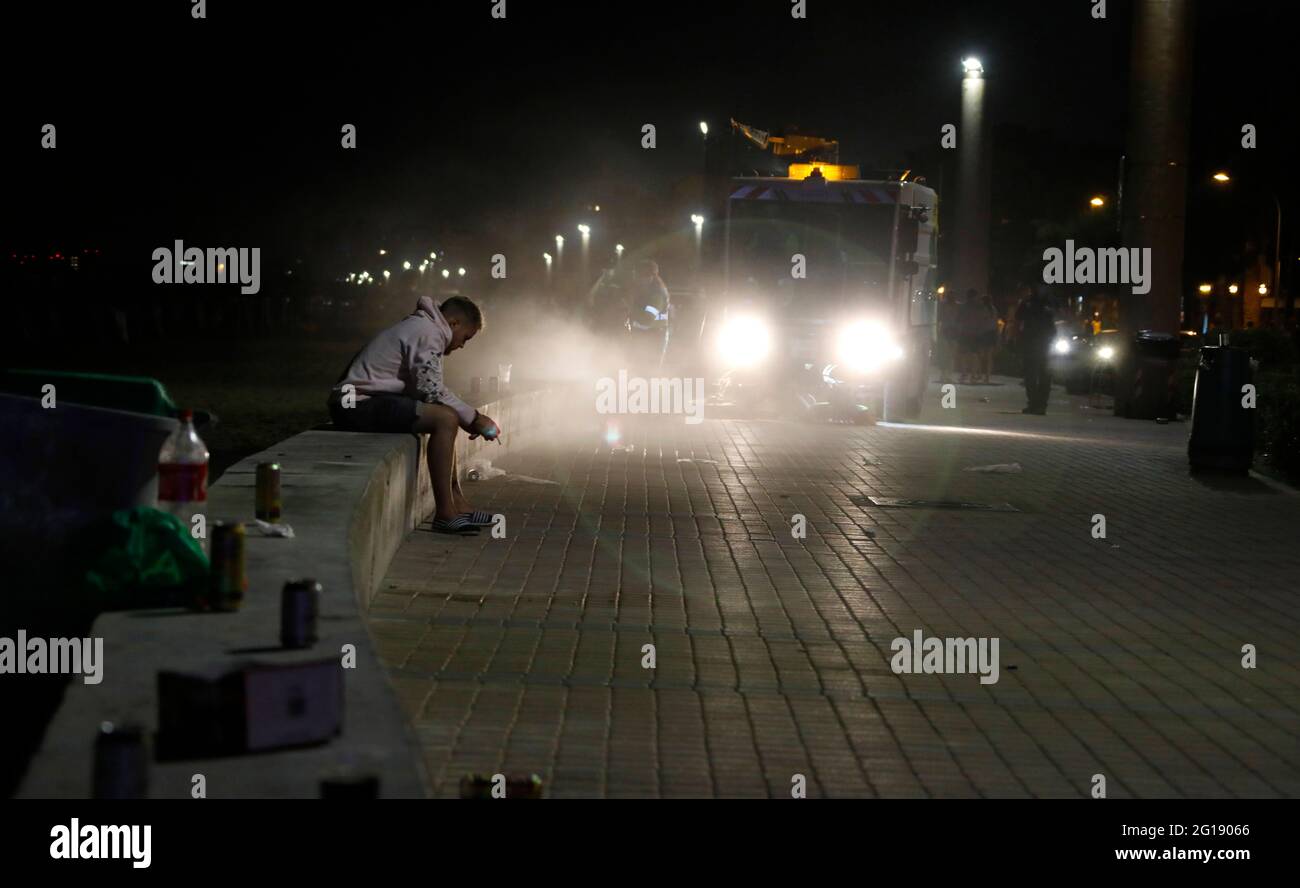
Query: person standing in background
(1035, 330)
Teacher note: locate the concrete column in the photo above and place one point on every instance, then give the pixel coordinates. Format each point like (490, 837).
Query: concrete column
(1155, 188)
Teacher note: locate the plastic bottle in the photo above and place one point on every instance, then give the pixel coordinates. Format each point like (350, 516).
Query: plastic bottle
(183, 473)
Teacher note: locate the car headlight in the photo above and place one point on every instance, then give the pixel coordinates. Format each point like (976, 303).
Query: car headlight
(1106, 353)
(866, 346)
(744, 341)
(1061, 346)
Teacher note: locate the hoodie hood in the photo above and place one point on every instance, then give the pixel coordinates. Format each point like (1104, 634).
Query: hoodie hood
(426, 307)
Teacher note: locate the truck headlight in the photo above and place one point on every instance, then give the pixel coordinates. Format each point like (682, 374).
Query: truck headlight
(866, 346)
(1061, 346)
(744, 341)
(1106, 353)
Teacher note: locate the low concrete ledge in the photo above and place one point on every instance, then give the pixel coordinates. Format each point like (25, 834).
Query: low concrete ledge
(351, 499)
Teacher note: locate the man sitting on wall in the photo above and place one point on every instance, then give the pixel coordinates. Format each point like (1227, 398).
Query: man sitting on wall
(395, 384)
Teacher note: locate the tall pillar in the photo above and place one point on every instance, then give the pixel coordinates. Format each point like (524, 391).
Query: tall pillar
(1155, 187)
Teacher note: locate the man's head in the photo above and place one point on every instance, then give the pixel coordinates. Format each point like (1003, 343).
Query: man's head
(465, 319)
(646, 268)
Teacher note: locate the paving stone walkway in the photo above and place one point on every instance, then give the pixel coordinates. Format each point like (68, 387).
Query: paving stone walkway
(1119, 656)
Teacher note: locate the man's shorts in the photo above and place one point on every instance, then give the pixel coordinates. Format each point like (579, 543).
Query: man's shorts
(375, 413)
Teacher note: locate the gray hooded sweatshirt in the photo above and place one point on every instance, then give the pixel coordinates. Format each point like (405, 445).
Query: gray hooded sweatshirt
(406, 359)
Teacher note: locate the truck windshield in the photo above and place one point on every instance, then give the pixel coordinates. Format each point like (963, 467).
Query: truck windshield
(845, 247)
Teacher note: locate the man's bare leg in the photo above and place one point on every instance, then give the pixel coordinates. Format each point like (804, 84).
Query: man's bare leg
(441, 424)
(458, 497)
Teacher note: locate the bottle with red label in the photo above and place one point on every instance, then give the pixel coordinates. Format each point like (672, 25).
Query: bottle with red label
(183, 473)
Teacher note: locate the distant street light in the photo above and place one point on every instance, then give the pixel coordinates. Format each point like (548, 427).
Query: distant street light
(1098, 202)
(460, 271)
(697, 219)
(618, 250)
(584, 230)
(547, 257)
(387, 274)
(704, 128)
(406, 266)
(383, 252)
(1205, 288)
(1223, 177)
(446, 273)
(1263, 289)
(1233, 288)
(433, 255)
(973, 67)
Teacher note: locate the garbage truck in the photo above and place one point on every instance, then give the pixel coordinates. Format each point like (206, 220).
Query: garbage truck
(827, 294)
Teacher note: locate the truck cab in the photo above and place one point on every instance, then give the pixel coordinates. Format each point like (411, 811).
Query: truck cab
(828, 286)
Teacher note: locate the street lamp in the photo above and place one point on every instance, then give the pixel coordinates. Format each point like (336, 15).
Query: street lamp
(618, 250)
(460, 271)
(1205, 288)
(1233, 288)
(406, 266)
(446, 273)
(1098, 202)
(704, 128)
(1263, 289)
(584, 230)
(1222, 177)
(387, 274)
(972, 253)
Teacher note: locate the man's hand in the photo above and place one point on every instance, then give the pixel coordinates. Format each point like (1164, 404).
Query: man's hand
(485, 426)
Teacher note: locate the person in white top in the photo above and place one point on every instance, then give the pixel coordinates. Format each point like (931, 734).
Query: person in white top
(396, 385)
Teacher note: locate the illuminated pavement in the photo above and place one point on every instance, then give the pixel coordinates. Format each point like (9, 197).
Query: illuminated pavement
(1118, 656)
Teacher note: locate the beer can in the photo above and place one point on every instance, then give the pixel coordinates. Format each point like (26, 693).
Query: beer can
(227, 575)
(121, 769)
(268, 492)
(299, 605)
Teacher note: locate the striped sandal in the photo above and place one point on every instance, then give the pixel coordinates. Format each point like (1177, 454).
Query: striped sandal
(478, 518)
(457, 526)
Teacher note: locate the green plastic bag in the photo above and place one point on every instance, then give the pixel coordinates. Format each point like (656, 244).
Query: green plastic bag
(145, 558)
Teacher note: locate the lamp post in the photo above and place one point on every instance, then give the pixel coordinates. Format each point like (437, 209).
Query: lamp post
(972, 259)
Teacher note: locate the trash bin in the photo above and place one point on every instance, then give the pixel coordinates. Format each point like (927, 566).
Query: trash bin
(1148, 389)
(1223, 430)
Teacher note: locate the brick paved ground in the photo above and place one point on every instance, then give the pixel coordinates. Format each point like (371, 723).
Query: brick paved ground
(1118, 656)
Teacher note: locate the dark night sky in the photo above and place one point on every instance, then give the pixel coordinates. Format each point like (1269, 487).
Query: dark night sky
(229, 128)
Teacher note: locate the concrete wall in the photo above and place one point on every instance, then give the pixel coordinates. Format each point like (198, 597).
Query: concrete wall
(351, 500)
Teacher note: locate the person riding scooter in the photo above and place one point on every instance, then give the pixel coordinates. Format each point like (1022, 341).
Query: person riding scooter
(649, 308)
